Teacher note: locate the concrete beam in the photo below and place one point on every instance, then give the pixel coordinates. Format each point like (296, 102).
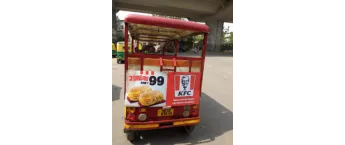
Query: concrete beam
(200, 6)
(196, 10)
(157, 10)
(224, 13)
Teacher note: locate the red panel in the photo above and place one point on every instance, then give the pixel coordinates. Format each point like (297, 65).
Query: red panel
(173, 80)
(151, 113)
(192, 82)
(165, 22)
(177, 83)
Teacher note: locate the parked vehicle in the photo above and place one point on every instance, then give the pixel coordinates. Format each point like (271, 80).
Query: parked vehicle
(161, 91)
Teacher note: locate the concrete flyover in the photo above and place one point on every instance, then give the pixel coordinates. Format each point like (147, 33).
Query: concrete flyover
(213, 12)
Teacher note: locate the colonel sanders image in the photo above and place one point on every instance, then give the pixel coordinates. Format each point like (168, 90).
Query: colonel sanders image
(185, 82)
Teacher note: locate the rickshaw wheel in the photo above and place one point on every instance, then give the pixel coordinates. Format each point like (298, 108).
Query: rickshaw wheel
(188, 129)
(131, 136)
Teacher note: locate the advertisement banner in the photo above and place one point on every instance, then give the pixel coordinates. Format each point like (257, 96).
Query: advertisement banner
(183, 88)
(158, 89)
(146, 89)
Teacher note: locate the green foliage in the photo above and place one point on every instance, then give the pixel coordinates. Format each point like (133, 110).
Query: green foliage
(198, 38)
(190, 42)
(230, 37)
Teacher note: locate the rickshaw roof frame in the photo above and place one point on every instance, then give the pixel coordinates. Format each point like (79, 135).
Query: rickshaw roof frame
(191, 28)
(152, 26)
(166, 22)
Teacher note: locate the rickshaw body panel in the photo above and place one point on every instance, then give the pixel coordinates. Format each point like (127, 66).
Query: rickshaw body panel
(120, 53)
(113, 50)
(175, 115)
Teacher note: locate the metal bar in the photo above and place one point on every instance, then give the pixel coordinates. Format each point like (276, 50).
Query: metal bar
(141, 64)
(161, 63)
(132, 45)
(168, 70)
(138, 45)
(190, 65)
(167, 56)
(203, 60)
(126, 57)
(176, 47)
(164, 48)
(174, 60)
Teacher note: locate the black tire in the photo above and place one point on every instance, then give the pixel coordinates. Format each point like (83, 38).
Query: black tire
(131, 136)
(118, 61)
(188, 129)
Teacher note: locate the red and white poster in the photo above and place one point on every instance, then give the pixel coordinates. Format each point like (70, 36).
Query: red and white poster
(146, 89)
(183, 88)
(158, 89)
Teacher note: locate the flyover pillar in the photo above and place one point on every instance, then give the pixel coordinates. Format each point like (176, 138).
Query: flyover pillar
(215, 36)
(114, 26)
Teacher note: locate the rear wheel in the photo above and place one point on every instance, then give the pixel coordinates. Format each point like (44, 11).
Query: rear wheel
(188, 129)
(131, 136)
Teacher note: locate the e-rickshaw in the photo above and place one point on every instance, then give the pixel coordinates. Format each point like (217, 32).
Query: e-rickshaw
(161, 90)
(114, 51)
(120, 53)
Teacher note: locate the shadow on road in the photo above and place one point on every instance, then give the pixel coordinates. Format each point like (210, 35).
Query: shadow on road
(215, 121)
(116, 92)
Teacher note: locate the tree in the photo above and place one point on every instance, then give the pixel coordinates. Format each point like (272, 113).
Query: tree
(198, 38)
(231, 37)
(227, 40)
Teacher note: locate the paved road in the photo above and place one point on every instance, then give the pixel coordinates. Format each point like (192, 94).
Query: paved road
(216, 110)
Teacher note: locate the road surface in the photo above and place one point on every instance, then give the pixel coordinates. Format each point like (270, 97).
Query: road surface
(216, 109)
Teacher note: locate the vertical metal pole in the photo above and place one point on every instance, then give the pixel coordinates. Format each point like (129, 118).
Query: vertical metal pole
(132, 46)
(126, 58)
(138, 45)
(203, 60)
(176, 47)
(166, 43)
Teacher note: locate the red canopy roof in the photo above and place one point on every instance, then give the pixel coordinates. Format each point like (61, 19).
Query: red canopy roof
(165, 22)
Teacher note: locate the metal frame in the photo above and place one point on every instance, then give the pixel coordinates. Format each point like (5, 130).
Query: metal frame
(160, 56)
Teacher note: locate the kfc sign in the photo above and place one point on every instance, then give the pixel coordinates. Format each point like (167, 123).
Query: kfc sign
(184, 85)
(183, 88)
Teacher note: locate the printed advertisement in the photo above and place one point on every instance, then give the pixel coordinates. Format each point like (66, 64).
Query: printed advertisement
(146, 89)
(183, 88)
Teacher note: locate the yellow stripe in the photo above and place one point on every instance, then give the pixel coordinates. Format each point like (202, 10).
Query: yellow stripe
(142, 126)
(157, 125)
(187, 122)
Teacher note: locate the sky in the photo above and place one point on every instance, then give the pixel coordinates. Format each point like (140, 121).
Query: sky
(123, 14)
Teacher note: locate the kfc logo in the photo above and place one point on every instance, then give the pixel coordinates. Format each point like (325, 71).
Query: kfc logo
(184, 85)
(185, 82)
